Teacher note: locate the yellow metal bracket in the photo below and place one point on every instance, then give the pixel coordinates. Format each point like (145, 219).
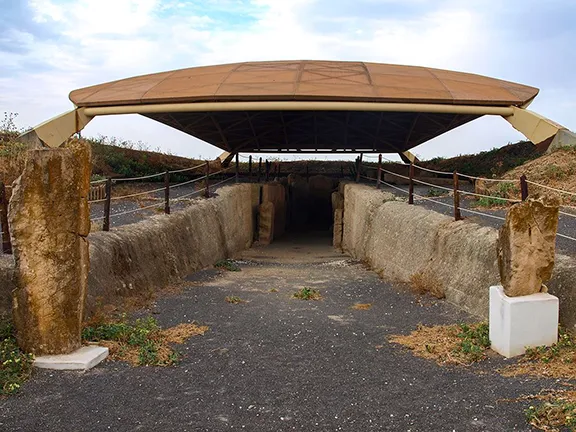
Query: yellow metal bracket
(54, 132)
(539, 129)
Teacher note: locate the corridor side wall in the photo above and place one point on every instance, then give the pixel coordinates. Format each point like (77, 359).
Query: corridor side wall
(138, 259)
(135, 260)
(399, 240)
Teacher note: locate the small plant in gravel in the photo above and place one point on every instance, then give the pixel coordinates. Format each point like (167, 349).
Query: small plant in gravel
(307, 293)
(234, 300)
(273, 290)
(227, 264)
(15, 365)
(489, 202)
(462, 344)
(143, 342)
(433, 192)
(474, 341)
(555, 361)
(554, 415)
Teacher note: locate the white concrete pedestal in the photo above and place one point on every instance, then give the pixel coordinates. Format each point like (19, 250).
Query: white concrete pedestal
(82, 359)
(520, 322)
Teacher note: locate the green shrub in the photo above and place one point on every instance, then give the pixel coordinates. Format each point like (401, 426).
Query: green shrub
(307, 294)
(227, 264)
(15, 366)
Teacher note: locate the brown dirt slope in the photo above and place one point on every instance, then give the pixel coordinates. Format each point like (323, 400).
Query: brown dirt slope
(557, 169)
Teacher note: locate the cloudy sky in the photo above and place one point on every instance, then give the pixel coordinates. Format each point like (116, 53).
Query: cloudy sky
(50, 47)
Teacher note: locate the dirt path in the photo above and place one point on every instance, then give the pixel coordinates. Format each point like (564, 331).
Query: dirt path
(278, 364)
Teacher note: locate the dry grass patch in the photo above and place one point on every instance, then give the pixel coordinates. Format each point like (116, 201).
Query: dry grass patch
(142, 343)
(361, 306)
(425, 282)
(451, 344)
(554, 412)
(234, 300)
(556, 361)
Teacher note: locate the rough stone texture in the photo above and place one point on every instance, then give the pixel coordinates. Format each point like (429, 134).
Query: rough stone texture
(266, 223)
(526, 245)
(276, 194)
(49, 221)
(399, 240)
(337, 201)
(135, 260)
(337, 233)
(6, 284)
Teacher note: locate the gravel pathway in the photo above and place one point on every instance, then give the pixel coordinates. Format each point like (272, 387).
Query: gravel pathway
(280, 364)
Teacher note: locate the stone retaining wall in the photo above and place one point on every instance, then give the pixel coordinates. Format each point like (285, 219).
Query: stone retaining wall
(399, 240)
(135, 260)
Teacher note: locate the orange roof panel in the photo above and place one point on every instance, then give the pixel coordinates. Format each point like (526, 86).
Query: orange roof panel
(307, 80)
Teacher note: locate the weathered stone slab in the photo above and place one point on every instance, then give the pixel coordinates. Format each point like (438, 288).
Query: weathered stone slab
(337, 201)
(50, 220)
(83, 358)
(266, 223)
(526, 245)
(276, 194)
(338, 228)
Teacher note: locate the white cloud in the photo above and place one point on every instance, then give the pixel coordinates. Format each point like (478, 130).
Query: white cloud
(98, 41)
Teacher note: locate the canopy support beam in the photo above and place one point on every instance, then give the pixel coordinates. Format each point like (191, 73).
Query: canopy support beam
(540, 130)
(54, 132)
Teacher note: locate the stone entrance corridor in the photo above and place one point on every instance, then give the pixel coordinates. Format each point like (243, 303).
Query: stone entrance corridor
(275, 363)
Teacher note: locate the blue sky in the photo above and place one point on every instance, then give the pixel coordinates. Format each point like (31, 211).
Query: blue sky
(50, 47)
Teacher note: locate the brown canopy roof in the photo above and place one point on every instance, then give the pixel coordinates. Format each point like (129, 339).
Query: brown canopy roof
(267, 130)
(307, 80)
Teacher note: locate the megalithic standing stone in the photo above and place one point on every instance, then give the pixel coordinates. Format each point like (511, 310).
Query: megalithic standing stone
(50, 220)
(526, 245)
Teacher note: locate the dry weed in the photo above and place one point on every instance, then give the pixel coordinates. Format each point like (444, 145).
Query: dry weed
(425, 282)
(449, 344)
(555, 412)
(182, 332)
(556, 361)
(361, 306)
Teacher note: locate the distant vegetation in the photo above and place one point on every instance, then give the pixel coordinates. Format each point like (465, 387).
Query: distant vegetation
(492, 163)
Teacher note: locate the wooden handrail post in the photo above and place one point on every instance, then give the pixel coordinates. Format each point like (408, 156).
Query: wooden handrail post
(237, 168)
(167, 192)
(106, 223)
(523, 187)
(379, 177)
(207, 181)
(267, 171)
(358, 168)
(250, 168)
(457, 214)
(6, 242)
(411, 185)
(259, 170)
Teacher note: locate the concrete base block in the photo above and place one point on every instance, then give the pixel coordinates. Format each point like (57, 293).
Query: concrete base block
(82, 359)
(520, 322)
